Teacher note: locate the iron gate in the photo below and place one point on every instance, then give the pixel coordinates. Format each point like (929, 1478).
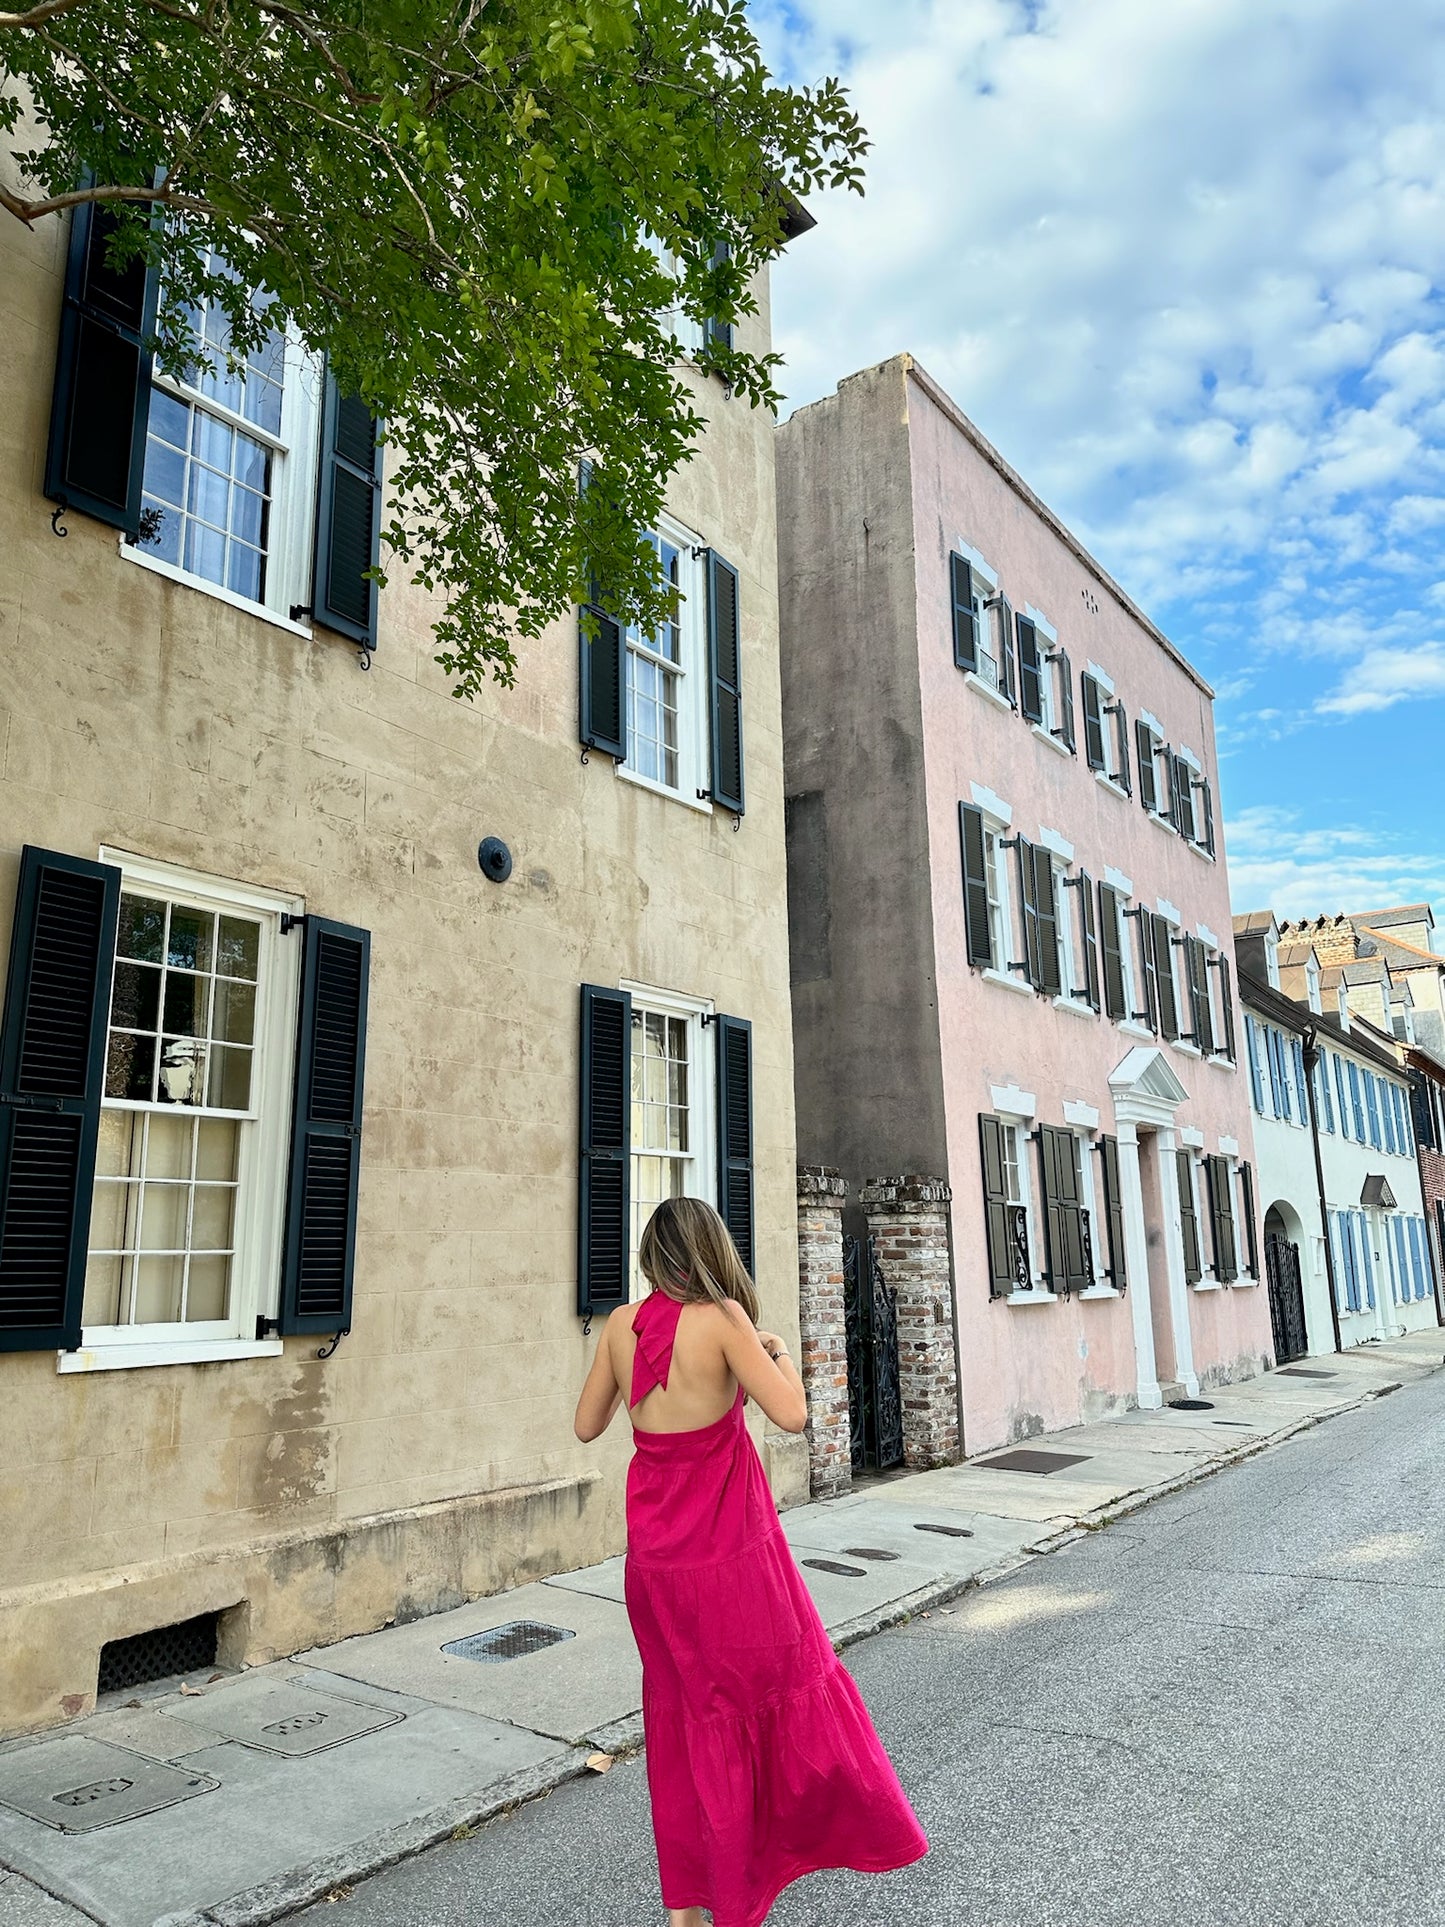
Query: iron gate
(1286, 1300)
(875, 1408)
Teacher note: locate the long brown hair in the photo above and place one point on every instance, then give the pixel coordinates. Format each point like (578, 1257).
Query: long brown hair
(688, 1253)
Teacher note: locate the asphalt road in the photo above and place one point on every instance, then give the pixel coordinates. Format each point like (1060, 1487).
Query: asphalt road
(1229, 1709)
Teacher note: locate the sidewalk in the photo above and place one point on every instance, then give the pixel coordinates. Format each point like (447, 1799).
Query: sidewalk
(238, 1800)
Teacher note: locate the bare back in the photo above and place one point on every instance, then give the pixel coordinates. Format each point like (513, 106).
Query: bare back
(700, 1386)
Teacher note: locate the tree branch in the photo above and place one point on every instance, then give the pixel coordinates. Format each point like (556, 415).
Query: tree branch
(37, 15)
(31, 211)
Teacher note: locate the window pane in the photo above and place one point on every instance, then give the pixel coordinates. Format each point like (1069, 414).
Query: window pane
(118, 1131)
(111, 1215)
(211, 1217)
(230, 1079)
(170, 420)
(163, 1217)
(208, 1289)
(130, 1067)
(136, 998)
(102, 1302)
(205, 552)
(210, 495)
(239, 948)
(168, 1146)
(183, 1071)
(158, 1290)
(213, 442)
(215, 1148)
(186, 999)
(234, 1017)
(165, 472)
(191, 934)
(142, 929)
(244, 572)
(165, 537)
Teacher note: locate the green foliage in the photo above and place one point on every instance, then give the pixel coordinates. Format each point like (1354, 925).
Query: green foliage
(452, 200)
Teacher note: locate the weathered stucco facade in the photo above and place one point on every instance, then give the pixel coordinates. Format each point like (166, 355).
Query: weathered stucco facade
(431, 1457)
(925, 1016)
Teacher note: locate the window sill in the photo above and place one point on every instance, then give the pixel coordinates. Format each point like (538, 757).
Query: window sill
(109, 1355)
(1187, 1050)
(1162, 823)
(1046, 736)
(213, 589)
(1108, 783)
(1206, 1284)
(1243, 1284)
(1200, 851)
(1073, 1007)
(701, 804)
(1031, 1298)
(1222, 1063)
(1005, 982)
(1130, 1029)
(995, 696)
(1098, 1291)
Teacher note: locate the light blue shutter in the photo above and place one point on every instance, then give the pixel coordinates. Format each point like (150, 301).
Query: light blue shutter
(1402, 1122)
(1344, 1103)
(1299, 1082)
(1322, 1090)
(1271, 1049)
(1372, 1107)
(1387, 1108)
(1418, 1249)
(1367, 1257)
(1346, 1249)
(1357, 1102)
(1256, 1080)
(1400, 1261)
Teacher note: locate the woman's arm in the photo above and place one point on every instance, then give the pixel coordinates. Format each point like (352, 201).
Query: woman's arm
(601, 1395)
(774, 1384)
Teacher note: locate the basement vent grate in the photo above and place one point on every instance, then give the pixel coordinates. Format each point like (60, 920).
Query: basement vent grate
(513, 1640)
(1302, 1371)
(163, 1654)
(946, 1532)
(1191, 1404)
(1029, 1461)
(834, 1565)
(868, 1552)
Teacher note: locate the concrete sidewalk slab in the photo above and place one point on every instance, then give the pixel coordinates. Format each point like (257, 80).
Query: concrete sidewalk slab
(23, 1905)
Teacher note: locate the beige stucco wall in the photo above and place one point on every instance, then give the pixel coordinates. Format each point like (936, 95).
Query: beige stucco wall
(432, 1457)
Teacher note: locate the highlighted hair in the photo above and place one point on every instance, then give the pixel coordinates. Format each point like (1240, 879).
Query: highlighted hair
(688, 1253)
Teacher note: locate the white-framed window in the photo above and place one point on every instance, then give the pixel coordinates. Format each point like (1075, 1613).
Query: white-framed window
(228, 497)
(1096, 1232)
(673, 1091)
(686, 332)
(1312, 984)
(667, 697)
(995, 859)
(185, 1228)
(1071, 959)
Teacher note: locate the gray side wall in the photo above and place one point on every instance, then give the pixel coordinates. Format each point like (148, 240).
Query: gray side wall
(867, 1072)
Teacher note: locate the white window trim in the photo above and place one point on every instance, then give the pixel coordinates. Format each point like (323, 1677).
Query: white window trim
(1044, 731)
(1006, 981)
(702, 1082)
(261, 1195)
(1102, 678)
(1186, 755)
(1114, 789)
(159, 566)
(992, 804)
(976, 682)
(694, 721)
(1012, 1105)
(1077, 1115)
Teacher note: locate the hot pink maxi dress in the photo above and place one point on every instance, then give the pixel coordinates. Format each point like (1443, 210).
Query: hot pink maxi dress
(762, 1762)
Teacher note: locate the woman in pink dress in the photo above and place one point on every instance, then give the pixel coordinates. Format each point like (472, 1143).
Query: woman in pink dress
(762, 1762)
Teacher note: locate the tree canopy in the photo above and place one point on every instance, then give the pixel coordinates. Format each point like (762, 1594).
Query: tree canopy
(466, 205)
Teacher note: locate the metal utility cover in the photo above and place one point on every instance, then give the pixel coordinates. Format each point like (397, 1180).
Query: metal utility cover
(512, 1640)
(1302, 1371)
(834, 1565)
(868, 1552)
(77, 1785)
(946, 1532)
(1191, 1404)
(282, 1717)
(1030, 1461)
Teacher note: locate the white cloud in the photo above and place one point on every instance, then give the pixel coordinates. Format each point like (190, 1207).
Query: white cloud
(1385, 677)
(1274, 864)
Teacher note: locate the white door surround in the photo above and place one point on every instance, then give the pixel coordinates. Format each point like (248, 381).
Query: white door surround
(1147, 1094)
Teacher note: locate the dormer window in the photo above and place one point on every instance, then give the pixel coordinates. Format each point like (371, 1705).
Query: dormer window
(1312, 984)
(1271, 959)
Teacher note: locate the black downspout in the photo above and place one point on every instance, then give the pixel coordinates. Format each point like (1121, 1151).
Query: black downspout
(1312, 1058)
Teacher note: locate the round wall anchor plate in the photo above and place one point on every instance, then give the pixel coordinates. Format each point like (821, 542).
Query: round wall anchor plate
(495, 859)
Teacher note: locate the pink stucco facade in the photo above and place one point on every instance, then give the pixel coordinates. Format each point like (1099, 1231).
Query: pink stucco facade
(903, 1042)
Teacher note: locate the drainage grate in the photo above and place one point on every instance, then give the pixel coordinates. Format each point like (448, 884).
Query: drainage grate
(162, 1654)
(946, 1532)
(77, 1785)
(1029, 1461)
(1191, 1404)
(514, 1640)
(868, 1552)
(833, 1565)
(1302, 1371)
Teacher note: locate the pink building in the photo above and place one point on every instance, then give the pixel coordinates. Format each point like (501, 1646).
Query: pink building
(1010, 924)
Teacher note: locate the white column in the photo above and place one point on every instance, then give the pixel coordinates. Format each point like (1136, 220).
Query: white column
(1136, 1259)
(1173, 1232)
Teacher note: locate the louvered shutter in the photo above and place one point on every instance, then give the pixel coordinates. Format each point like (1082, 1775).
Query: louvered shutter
(1188, 1216)
(1221, 1212)
(995, 1208)
(735, 1132)
(978, 929)
(1066, 1264)
(1164, 978)
(1064, 728)
(1148, 971)
(1343, 1096)
(1204, 829)
(604, 1179)
(52, 1073)
(1008, 678)
(725, 663)
(1201, 1015)
(95, 458)
(1095, 753)
(1323, 1098)
(1297, 1051)
(1028, 909)
(1054, 1265)
(717, 334)
(1367, 1257)
(1226, 1010)
(1182, 797)
(602, 655)
(348, 517)
(1357, 1102)
(319, 1251)
(1372, 1109)
(1115, 1000)
(1148, 782)
(1031, 671)
(1118, 1272)
(1046, 898)
(1420, 1112)
(1246, 1205)
(1089, 936)
(1387, 1117)
(965, 615)
(1256, 1072)
(1121, 775)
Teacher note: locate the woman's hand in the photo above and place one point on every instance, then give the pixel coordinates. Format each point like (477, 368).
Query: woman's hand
(772, 1344)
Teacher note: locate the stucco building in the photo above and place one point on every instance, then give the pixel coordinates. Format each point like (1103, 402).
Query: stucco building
(1010, 921)
(337, 1006)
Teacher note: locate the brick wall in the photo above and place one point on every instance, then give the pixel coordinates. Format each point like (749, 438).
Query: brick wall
(908, 1218)
(821, 1321)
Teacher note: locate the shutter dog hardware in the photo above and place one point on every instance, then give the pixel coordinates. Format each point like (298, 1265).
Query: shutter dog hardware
(494, 859)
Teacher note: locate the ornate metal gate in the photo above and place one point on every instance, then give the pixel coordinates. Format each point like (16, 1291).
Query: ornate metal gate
(874, 1406)
(1286, 1300)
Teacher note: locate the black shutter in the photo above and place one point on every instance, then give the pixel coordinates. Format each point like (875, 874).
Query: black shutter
(1001, 1279)
(1046, 899)
(1118, 1271)
(1065, 1247)
(1095, 753)
(604, 1177)
(1204, 831)
(1188, 1216)
(716, 333)
(1221, 1213)
(1246, 1203)
(1007, 679)
(977, 926)
(735, 1132)
(1028, 909)
(1148, 972)
(348, 517)
(1202, 1011)
(1109, 907)
(1089, 938)
(1054, 1267)
(1181, 796)
(1420, 1112)
(1031, 672)
(1164, 977)
(603, 659)
(965, 616)
(319, 1254)
(1148, 785)
(1226, 1009)
(1122, 775)
(725, 667)
(95, 458)
(52, 1074)
(1064, 728)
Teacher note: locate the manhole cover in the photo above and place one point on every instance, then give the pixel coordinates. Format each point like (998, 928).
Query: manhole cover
(833, 1565)
(1302, 1371)
(1031, 1461)
(277, 1716)
(946, 1532)
(1243, 1423)
(76, 1785)
(514, 1640)
(868, 1552)
(1191, 1404)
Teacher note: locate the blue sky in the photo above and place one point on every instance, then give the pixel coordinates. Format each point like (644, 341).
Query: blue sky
(1184, 264)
